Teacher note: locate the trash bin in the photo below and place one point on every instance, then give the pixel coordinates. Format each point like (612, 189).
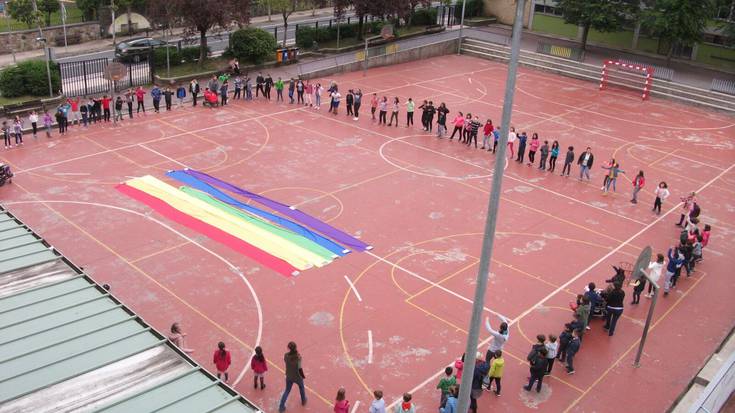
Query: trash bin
(293, 53)
(279, 55)
(285, 55)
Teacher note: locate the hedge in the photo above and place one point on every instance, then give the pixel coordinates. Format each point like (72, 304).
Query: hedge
(251, 45)
(29, 78)
(176, 57)
(424, 17)
(307, 35)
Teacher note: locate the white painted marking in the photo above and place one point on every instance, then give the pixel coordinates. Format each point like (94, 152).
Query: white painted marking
(354, 290)
(484, 342)
(370, 346)
(469, 79)
(258, 307)
(162, 155)
(354, 408)
(479, 90)
(435, 285)
(72, 174)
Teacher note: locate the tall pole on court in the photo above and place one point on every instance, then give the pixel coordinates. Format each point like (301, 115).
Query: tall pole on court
(488, 239)
(45, 48)
(461, 24)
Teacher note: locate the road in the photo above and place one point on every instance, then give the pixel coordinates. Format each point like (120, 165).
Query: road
(219, 42)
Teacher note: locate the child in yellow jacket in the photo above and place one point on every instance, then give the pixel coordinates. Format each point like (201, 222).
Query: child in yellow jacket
(496, 371)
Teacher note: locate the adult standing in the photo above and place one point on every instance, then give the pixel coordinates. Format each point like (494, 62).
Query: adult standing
(268, 86)
(238, 88)
(522, 138)
(294, 375)
(585, 161)
(615, 300)
(194, 90)
(259, 80)
(538, 364)
(248, 88)
(478, 377)
(441, 120)
(356, 104)
(500, 337)
(156, 95)
(300, 92)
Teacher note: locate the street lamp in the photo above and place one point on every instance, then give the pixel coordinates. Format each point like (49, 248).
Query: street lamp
(48, 66)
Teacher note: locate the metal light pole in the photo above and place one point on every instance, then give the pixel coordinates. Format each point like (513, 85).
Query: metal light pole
(63, 24)
(112, 9)
(488, 239)
(10, 29)
(461, 24)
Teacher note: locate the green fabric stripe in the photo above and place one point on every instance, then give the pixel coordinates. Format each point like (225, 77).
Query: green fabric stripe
(275, 230)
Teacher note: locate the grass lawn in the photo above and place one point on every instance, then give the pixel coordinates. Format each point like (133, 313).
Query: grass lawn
(73, 15)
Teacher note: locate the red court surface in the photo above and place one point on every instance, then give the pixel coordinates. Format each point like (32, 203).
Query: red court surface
(420, 201)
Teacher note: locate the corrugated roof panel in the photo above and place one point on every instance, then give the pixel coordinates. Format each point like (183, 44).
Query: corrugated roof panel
(66, 345)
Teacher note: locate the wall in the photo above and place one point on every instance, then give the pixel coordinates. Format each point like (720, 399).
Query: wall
(138, 22)
(23, 40)
(505, 10)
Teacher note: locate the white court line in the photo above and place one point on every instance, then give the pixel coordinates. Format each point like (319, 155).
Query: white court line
(432, 283)
(370, 346)
(354, 408)
(352, 287)
(162, 155)
(72, 174)
(575, 278)
(480, 90)
(233, 268)
(553, 117)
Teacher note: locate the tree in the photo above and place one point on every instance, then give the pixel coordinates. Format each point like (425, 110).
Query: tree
(22, 10)
(47, 7)
(678, 22)
(252, 45)
(601, 15)
(89, 8)
(201, 16)
(286, 8)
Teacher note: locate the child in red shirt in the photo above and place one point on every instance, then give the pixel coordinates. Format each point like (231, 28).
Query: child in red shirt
(222, 361)
(140, 98)
(259, 366)
(106, 107)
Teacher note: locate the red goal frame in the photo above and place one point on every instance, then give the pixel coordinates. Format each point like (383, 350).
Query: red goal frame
(645, 70)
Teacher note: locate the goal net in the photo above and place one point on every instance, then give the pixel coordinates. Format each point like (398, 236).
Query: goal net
(627, 75)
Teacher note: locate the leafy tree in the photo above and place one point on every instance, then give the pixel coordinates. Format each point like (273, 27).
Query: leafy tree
(601, 15)
(286, 8)
(201, 16)
(47, 7)
(679, 22)
(89, 8)
(22, 10)
(252, 45)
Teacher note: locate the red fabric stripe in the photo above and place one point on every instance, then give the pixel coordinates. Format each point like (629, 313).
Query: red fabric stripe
(210, 231)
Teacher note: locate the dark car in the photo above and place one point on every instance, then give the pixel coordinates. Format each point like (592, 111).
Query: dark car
(136, 50)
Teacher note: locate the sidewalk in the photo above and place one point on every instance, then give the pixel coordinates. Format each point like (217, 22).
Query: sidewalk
(105, 44)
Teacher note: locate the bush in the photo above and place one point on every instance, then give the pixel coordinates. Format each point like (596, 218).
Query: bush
(252, 45)
(306, 35)
(29, 78)
(423, 17)
(191, 54)
(473, 8)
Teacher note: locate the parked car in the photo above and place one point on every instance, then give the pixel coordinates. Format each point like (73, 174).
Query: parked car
(137, 50)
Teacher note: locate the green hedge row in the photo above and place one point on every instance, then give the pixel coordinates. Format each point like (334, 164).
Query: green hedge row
(29, 78)
(251, 45)
(307, 35)
(424, 17)
(176, 57)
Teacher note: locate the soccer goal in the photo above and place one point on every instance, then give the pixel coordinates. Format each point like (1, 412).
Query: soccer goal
(638, 77)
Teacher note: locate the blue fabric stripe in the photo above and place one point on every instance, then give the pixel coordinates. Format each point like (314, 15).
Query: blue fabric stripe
(216, 193)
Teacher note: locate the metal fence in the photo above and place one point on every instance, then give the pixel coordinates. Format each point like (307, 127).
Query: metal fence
(724, 86)
(87, 77)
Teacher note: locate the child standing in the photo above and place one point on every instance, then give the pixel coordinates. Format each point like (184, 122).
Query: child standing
(496, 138)
(532, 148)
(222, 361)
(349, 100)
(259, 367)
(554, 155)
(33, 118)
(355, 106)
(564, 338)
(638, 286)
(18, 130)
(496, 371)
(459, 366)
(654, 272)
(459, 125)
(383, 110)
(445, 383)
(568, 159)
(6, 135)
(638, 182)
(512, 137)
(487, 131)
(410, 107)
(118, 109)
(661, 192)
(181, 94)
(341, 404)
(47, 121)
(310, 91)
(544, 156)
(571, 351)
(474, 127)
(405, 406)
(373, 105)
(177, 337)
(394, 113)
(551, 346)
(378, 405)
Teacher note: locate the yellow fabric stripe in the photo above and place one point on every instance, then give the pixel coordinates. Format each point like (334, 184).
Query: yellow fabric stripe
(267, 241)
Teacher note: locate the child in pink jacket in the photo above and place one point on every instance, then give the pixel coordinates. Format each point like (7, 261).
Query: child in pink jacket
(341, 405)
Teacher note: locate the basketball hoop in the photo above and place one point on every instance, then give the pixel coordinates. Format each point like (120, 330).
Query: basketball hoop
(115, 71)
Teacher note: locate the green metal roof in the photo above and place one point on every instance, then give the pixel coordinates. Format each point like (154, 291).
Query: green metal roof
(66, 344)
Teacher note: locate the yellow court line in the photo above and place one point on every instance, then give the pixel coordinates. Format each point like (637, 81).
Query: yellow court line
(170, 292)
(160, 251)
(634, 345)
(661, 158)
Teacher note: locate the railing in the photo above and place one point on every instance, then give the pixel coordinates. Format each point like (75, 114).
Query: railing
(724, 86)
(717, 392)
(584, 71)
(659, 72)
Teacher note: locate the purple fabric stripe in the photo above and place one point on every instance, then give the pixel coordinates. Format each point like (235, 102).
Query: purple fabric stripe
(302, 217)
